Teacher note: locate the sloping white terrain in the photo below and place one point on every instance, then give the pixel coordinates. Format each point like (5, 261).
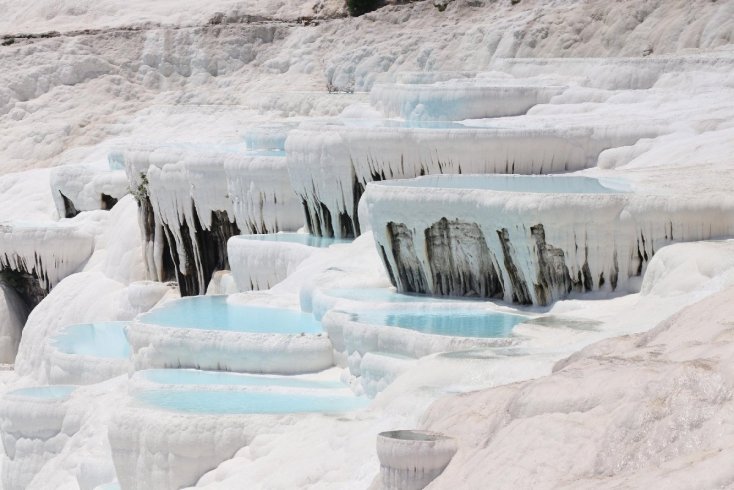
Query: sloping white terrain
(139, 139)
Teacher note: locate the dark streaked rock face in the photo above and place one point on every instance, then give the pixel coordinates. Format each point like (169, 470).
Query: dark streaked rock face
(553, 280)
(147, 222)
(69, 209)
(519, 284)
(25, 283)
(460, 261)
(321, 221)
(409, 276)
(201, 252)
(107, 202)
(212, 244)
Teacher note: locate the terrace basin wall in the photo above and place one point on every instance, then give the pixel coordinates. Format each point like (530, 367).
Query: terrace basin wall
(444, 236)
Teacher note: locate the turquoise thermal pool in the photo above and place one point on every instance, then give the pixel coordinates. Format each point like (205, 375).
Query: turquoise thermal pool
(104, 339)
(449, 322)
(249, 402)
(215, 313)
(54, 393)
(219, 378)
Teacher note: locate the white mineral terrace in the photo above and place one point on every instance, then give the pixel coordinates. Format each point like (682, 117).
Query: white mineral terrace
(77, 188)
(463, 99)
(88, 353)
(330, 165)
(46, 251)
(35, 428)
(260, 262)
(210, 333)
(530, 239)
(216, 412)
(203, 196)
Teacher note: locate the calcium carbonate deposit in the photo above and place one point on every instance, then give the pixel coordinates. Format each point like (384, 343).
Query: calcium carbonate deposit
(366, 244)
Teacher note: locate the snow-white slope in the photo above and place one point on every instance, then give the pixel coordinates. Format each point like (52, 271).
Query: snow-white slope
(650, 409)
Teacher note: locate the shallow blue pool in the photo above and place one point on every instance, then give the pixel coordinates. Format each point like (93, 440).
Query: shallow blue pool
(103, 339)
(557, 184)
(56, 392)
(452, 322)
(215, 313)
(300, 238)
(269, 136)
(380, 295)
(248, 402)
(399, 123)
(196, 377)
(265, 153)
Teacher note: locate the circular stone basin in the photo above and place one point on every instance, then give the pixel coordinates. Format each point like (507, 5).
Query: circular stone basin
(103, 339)
(410, 459)
(50, 393)
(298, 238)
(217, 378)
(516, 183)
(449, 322)
(216, 313)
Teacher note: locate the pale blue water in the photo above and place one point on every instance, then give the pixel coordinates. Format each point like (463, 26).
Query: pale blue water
(109, 486)
(248, 402)
(215, 313)
(268, 137)
(103, 339)
(516, 183)
(380, 295)
(265, 153)
(196, 377)
(56, 392)
(399, 123)
(300, 238)
(451, 322)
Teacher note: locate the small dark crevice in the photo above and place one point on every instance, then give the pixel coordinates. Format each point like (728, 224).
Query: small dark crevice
(26, 284)
(387, 266)
(69, 209)
(107, 202)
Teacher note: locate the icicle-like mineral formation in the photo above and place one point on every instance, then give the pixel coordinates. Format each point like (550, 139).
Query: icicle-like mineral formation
(35, 257)
(193, 199)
